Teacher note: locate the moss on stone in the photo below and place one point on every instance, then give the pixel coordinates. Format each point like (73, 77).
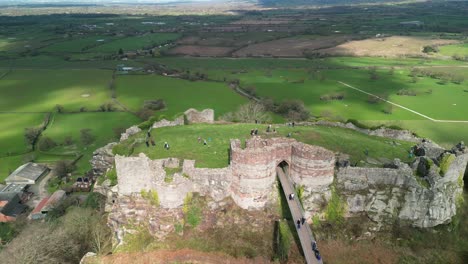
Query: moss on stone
(336, 208)
(445, 163)
(151, 196)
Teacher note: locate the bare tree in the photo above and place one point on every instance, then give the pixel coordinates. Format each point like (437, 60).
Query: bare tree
(251, 112)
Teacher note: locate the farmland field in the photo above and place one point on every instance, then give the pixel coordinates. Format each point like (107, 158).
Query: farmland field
(451, 50)
(78, 45)
(388, 47)
(178, 94)
(102, 127)
(41, 90)
(137, 42)
(12, 128)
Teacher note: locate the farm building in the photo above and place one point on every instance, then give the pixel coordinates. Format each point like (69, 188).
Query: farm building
(10, 206)
(28, 173)
(53, 201)
(47, 204)
(37, 212)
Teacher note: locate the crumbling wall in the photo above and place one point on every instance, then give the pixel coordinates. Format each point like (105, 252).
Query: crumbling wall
(129, 132)
(166, 123)
(212, 182)
(205, 116)
(389, 194)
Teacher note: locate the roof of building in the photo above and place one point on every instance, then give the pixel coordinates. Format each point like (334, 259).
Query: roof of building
(54, 199)
(41, 205)
(28, 171)
(14, 188)
(10, 205)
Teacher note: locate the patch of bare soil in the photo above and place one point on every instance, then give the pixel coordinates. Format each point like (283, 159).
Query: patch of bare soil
(209, 41)
(175, 256)
(203, 51)
(290, 47)
(357, 252)
(386, 47)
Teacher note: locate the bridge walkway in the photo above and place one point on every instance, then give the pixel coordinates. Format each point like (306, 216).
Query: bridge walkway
(304, 233)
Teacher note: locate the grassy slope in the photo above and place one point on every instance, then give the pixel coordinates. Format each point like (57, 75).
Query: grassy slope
(184, 143)
(101, 124)
(40, 90)
(178, 94)
(12, 131)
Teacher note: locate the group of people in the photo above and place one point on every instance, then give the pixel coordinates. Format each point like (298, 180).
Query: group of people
(269, 129)
(254, 132)
(149, 140)
(300, 222)
(199, 139)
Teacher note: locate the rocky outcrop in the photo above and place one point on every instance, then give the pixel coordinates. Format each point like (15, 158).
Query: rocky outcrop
(389, 194)
(167, 123)
(103, 159)
(129, 132)
(404, 135)
(205, 116)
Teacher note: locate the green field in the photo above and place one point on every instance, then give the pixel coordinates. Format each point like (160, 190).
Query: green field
(12, 132)
(79, 44)
(184, 144)
(102, 127)
(451, 50)
(8, 165)
(137, 42)
(40, 90)
(179, 95)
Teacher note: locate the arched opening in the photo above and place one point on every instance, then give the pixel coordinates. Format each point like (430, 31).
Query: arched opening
(284, 166)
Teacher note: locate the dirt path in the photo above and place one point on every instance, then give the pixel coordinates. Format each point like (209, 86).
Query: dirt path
(403, 107)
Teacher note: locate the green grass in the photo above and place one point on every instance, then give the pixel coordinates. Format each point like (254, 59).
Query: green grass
(137, 42)
(184, 143)
(8, 165)
(101, 125)
(458, 49)
(77, 45)
(179, 95)
(40, 90)
(12, 128)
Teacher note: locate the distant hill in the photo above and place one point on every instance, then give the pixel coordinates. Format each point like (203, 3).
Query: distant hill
(277, 3)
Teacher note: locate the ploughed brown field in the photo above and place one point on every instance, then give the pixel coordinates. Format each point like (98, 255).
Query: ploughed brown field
(203, 51)
(386, 47)
(291, 47)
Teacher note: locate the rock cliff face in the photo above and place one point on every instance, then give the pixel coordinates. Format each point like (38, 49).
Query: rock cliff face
(386, 195)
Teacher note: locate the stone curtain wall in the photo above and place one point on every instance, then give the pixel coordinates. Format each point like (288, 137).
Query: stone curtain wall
(386, 195)
(205, 116)
(166, 123)
(212, 182)
(129, 132)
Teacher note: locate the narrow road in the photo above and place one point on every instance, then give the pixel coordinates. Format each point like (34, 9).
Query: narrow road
(304, 233)
(403, 107)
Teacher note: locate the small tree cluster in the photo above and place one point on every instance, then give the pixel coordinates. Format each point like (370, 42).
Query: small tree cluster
(86, 137)
(332, 97)
(444, 77)
(47, 143)
(63, 167)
